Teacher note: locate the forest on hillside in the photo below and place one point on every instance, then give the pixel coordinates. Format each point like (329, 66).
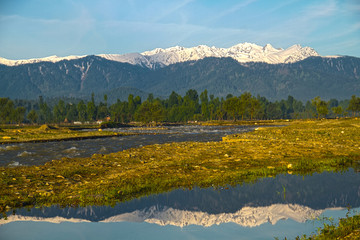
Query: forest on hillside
(176, 108)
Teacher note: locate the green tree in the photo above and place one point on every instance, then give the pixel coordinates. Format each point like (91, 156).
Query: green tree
(213, 106)
(273, 111)
(254, 107)
(220, 113)
(19, 114)
(71, 112)
(150, 111)
(91, 109)
(193, 95)
(45, 115)
(32, 116)
(211, 110)
(231, 106)
(204, 105)
(321, 106)
(134, 103)
(119, 112)
(188, 108)
(323, 109)
(102, 111)
(59, 111)
(298, 109)
(310, 110)
(82, 111)
(229, 96)
(354, 105)
(6, 110)
(245, 104)
(174, 99)
(175, 114)
(337, 110)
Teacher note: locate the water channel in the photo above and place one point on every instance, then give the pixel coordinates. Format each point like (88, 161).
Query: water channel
(39, 153)
(285, 205)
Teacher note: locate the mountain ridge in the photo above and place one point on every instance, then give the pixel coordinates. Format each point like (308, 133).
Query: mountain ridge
(247, 216)
(159, 57)
(334, 77)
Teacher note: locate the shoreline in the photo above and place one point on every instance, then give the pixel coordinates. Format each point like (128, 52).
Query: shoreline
(301, 148)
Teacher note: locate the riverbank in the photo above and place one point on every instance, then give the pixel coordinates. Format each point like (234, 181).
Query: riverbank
(47, 133)
(302, 147)
(347, 228)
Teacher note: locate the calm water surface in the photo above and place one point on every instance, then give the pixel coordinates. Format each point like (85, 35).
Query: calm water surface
(286, 205)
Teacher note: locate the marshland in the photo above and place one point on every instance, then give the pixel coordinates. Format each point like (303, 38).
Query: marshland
(228, 156)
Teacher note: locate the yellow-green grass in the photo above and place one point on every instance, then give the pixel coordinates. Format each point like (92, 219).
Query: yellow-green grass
(13, 134)
(303, 147)
(347, 228)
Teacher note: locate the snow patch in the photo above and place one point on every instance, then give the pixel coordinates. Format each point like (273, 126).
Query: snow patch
(53, 59)
(16, 218)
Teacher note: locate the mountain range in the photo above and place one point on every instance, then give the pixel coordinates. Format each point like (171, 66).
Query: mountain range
(247, 216)
(267, 71)
(243, 52)
(263, 201)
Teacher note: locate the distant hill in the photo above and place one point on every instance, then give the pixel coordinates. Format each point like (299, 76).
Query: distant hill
(314, 76)
(70, 78)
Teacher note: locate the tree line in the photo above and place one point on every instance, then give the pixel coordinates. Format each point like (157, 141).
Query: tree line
(176, 108)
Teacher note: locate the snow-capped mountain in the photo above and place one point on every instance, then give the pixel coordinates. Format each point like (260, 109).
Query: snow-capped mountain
(247, 216)
(53, 59)
(243, 52)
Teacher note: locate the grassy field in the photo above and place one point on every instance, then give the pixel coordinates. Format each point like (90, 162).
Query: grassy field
(17, 134)
(302, 147)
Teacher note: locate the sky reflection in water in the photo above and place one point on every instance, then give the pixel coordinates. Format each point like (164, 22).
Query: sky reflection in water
(325, 193)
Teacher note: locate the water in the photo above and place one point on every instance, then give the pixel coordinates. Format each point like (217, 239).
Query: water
(39, 153)
(272, 207)
(286, 205)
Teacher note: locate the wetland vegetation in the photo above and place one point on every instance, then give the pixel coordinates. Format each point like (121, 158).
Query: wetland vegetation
(301, 147)
(44, 133)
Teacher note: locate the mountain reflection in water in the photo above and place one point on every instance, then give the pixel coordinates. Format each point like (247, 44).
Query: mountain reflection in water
(266, 201)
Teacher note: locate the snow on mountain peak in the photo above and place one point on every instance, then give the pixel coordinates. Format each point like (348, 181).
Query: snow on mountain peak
(159, 57)
(242, 52)
(52, 58)
(269, 48)
(247, 216)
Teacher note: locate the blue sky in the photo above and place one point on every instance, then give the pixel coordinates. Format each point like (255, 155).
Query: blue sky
(40, 28)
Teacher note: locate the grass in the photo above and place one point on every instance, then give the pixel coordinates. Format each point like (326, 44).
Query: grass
(302, 147)
(347, 228)
(18, 134)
